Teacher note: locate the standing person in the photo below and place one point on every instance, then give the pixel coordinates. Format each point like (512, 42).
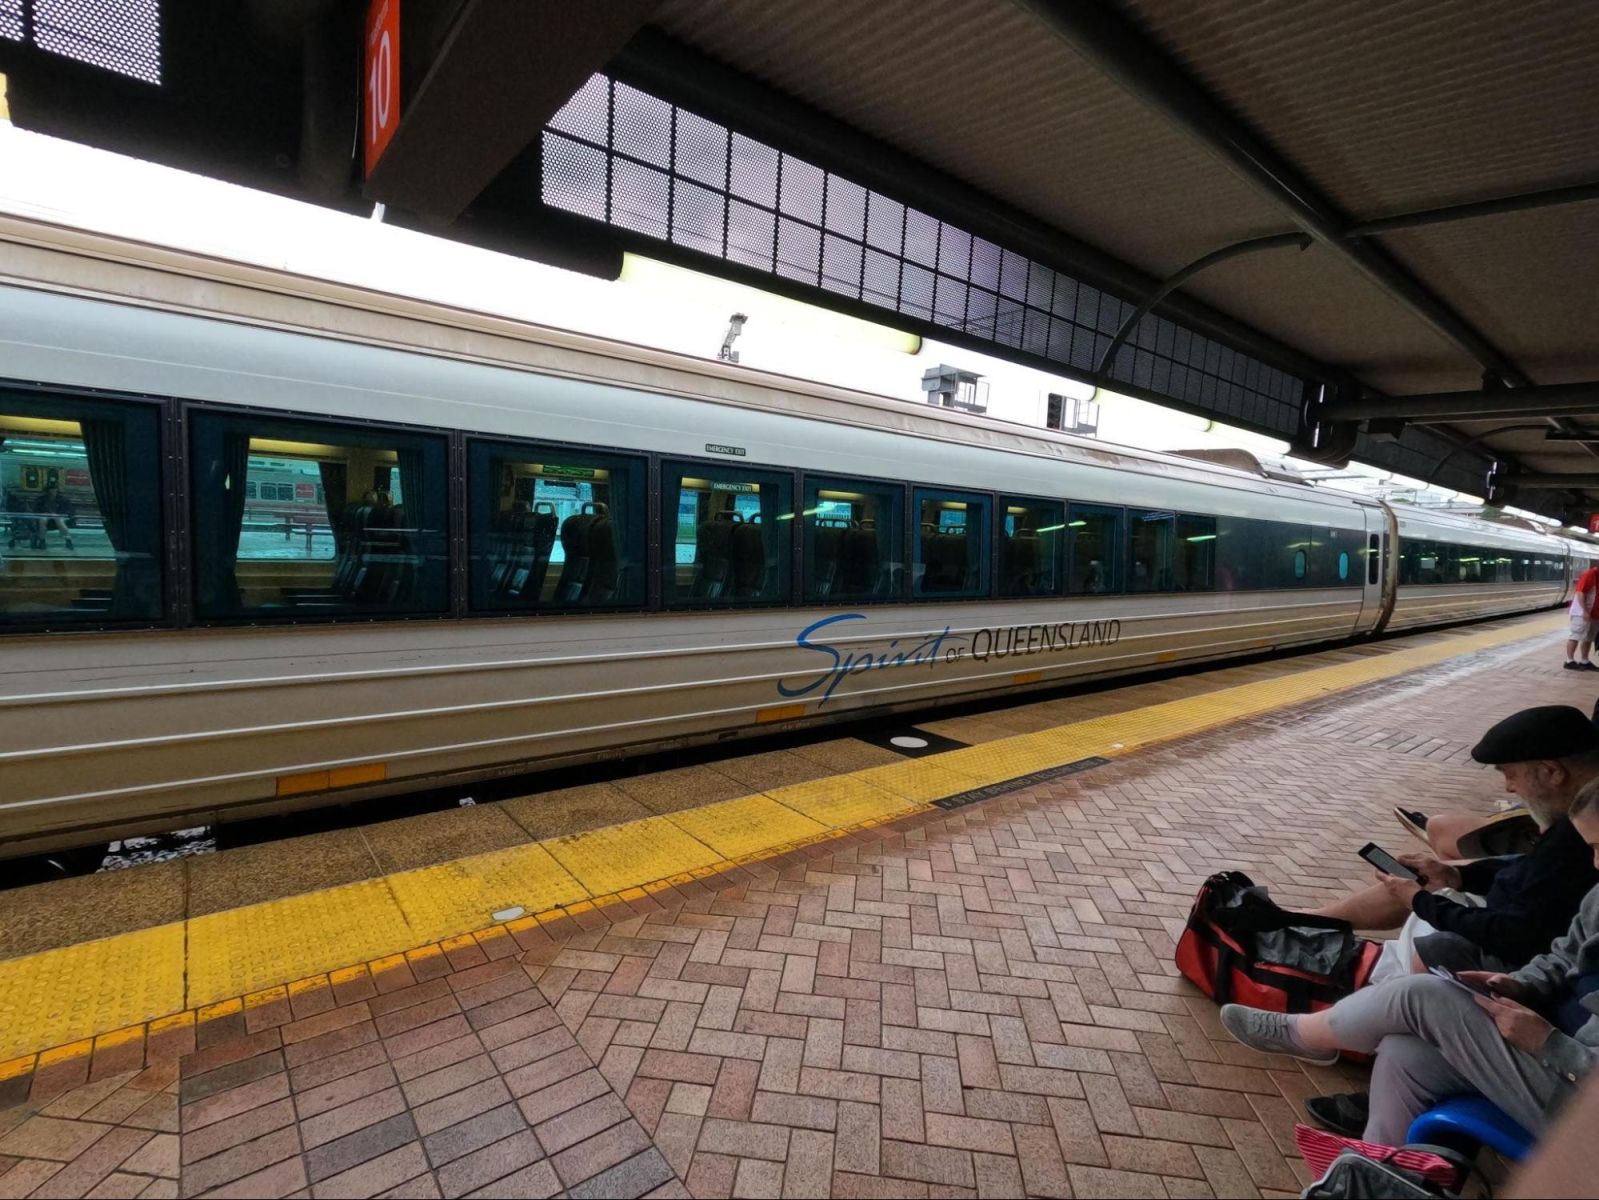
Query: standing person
(1583, 606)
(57, 511)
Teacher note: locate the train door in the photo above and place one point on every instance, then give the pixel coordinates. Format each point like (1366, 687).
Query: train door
(1382, 577)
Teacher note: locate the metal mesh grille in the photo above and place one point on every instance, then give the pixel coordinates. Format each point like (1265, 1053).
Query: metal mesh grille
(117, 35)
(620, 155)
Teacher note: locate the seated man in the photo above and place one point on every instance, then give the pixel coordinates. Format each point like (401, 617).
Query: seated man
(1497, 913)
(1526, 1046)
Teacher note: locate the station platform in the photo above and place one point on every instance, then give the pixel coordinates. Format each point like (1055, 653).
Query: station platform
(841, 968)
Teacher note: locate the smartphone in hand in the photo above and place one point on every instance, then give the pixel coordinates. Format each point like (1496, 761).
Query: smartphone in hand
(1474, 988)
(1387, 863)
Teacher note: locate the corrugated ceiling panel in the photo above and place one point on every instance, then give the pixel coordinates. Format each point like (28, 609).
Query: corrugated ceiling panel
(981, 91)
(1396, 104)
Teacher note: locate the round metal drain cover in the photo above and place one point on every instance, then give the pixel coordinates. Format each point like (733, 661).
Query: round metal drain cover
(906, 742)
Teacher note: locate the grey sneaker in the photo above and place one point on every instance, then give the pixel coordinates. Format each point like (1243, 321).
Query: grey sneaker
(1268, 1033)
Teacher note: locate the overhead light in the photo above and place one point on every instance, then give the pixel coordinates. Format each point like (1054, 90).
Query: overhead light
(1050, 529)
(1202, 537)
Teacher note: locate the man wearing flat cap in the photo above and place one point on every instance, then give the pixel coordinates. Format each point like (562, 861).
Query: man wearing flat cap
(1494, 914)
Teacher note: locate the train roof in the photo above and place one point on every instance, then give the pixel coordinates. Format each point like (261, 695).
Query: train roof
(46, 256)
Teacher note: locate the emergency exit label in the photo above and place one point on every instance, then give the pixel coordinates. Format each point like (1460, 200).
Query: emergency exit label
(380, 84)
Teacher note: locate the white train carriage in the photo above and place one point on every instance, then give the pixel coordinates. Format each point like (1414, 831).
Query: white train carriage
(1456, 568)
(513, 547)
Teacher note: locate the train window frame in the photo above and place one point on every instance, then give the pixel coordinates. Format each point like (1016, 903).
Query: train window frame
(1003, 502)
(811, 482)
(1075, 511)
(166, 612)
(194, 415)
(984, 525)
(670, 473)
(634, 545)
(1179, 536)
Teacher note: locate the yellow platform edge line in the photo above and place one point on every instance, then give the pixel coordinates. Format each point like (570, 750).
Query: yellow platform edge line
(204, 967)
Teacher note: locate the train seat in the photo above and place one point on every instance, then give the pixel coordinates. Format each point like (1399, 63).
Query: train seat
(747, 551)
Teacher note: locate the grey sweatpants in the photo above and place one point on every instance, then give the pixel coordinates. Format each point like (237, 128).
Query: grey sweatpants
(1433, 1041)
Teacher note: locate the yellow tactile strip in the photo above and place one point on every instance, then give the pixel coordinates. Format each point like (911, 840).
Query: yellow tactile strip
(61, 997)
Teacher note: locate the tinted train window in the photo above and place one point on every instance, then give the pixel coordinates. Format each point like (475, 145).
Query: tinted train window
(951, 544)
(1032, 546)
(80, 511)
(1095, 549)
(1331, 553)
(854, 540)
(728, 535)
(1171, 552)
(343, 520)
(554, 528)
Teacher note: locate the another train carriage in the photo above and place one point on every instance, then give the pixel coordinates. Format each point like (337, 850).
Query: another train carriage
(351, 544)
(1455, 568)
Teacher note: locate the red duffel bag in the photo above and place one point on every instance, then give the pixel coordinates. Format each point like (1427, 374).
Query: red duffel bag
(1241, 947)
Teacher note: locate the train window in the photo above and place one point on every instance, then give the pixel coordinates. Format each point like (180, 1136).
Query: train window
(1095, 549)
(1171, 552)
(1194, 554)
(373, 543)
(1149, 554)
(1330, 552)
(854, 540)
(1032, 546)
(1301, 561)
(1373, 558)
(80, 510)
(728, 537)
(554, 528)
(951, 544)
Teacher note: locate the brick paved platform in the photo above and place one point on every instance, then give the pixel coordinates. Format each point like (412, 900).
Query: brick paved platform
(977, 1002)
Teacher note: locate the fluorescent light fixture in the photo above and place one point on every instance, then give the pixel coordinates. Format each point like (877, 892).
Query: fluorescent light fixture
(1202, 537)
(1050, 529)
(1075, 524)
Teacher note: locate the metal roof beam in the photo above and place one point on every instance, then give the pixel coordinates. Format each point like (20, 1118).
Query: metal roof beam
(1577, 193)
(1545, 483)
(1107, 41)
(1552, 400)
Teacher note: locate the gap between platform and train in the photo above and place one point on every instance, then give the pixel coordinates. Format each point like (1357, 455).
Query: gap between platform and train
(58, 1000)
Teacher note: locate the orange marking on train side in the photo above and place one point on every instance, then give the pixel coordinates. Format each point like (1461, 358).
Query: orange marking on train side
(362, 773)
(308, 781)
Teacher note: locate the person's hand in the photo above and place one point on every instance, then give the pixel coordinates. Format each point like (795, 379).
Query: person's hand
(1435, 875)
(1518, 1024)
(1402, 890)
(1506, 986)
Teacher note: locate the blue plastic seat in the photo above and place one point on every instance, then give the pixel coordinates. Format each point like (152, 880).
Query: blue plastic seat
(1470, 1119)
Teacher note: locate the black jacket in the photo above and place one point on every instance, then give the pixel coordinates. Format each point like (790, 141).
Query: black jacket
(1531, 898)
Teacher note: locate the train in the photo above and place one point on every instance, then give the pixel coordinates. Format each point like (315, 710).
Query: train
(335, 544)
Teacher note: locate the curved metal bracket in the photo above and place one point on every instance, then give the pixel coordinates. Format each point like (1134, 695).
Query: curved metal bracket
(1173, 282)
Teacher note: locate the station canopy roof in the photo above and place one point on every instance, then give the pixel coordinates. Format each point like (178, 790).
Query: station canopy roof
(1383, 211)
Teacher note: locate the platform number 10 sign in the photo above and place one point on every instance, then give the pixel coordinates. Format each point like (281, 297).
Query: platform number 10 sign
(381, 72)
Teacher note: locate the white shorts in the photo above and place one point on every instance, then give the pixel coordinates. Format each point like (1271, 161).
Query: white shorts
(1394, 962)
(1582, 629)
